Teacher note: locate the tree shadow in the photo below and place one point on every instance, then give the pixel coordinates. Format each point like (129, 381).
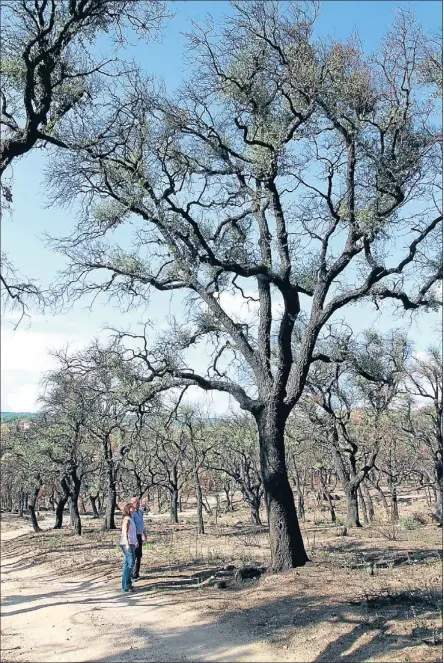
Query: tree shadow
(354, 633)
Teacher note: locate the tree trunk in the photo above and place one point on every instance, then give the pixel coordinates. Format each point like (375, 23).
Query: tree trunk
(368, 501)
(363, 505)
(300, 504)
(61, 504)
(93, 500)
(327, 495)
(199, 501)
(74, 494)
(76, 520)
(383, 499)
(21, 503)
(227, 491)
(109, 520)
(287, 546)
(174, 505)
(394, 511)
(438, 479)
(352, 506)
(32, 509)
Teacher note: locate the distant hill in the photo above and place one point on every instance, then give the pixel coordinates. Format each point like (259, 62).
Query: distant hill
(9, 416)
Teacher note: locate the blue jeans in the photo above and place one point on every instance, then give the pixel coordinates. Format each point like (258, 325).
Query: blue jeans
(128, 566)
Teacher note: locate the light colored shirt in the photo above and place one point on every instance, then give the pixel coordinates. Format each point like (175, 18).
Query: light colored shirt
(132, 536)
(138, 519)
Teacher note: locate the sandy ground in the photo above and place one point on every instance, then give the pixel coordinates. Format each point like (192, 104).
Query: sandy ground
(48, 618)
(61, 597)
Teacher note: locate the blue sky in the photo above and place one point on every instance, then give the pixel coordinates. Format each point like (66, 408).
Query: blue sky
(24, 351)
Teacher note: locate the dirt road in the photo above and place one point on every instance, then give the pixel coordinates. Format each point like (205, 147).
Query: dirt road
(51, 618)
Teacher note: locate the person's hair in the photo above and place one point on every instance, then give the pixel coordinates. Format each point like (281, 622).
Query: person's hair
(126, 509)
(135, 499)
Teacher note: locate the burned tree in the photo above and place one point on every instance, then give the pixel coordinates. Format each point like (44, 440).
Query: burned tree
(275, 179)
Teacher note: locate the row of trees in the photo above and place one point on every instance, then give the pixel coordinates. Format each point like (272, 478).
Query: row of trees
(283, 172)
(360, 426)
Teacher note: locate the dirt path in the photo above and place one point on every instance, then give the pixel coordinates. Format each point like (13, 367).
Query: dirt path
(50, 618)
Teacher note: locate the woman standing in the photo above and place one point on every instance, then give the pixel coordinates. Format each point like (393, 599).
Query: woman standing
(128, 543)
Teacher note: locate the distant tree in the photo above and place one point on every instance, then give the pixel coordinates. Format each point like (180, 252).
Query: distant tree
(423, 410)
(281, 177)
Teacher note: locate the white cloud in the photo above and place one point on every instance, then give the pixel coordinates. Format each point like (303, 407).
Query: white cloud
(25, 350)
(24, 399)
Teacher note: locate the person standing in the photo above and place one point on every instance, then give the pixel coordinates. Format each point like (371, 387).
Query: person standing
(129, 544)
(140, 533)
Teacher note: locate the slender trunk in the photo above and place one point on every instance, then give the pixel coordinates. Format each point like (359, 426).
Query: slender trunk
(287, 546)
(327, 495)
(368, 501)
(21, 503)
(77, 522)
(228, 495)
(383, 499)
(199, 502)
(438, 484)
(363, 505)
(394, 511)
(109, 520)
(32, 508)
(61, 504)
(74, 495)
(174, 505)
(93, 500)
(300, 503)
(352, 506)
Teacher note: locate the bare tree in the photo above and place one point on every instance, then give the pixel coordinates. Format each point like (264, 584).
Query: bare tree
(278, 178)
(423, 383)
(50, 77)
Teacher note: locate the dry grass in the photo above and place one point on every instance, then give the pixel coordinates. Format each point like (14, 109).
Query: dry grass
(363, 597)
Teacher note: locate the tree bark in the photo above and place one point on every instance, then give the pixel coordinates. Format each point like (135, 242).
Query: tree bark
(352, 506)
(174, 506)
(109, 520)
(61, 504)
(363, 505)
(368, 501)
(93, 500)
(32, 508)
(394, 511)
(287, 546)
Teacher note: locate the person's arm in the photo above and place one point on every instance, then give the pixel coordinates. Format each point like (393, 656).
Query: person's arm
(126, 525)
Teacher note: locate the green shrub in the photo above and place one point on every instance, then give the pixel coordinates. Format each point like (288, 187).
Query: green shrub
(409, 522)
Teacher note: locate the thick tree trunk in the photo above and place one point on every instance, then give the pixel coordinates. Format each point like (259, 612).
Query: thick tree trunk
(174, 506)
(110, 510)
(199, 502)
(32, 508)
(352, 506)
(287, 546)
